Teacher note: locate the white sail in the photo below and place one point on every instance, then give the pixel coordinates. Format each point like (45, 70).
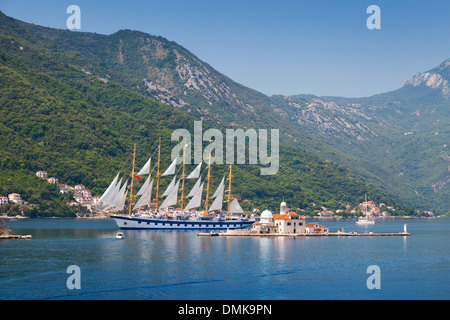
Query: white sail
(235, 207)
(144, 187)
(121, 198)
(220, 188)
(170, 187)
(171, 197)
(109, 201)
(146, 197)
(194, 189)
(195, 173)
(108, 191)
(114, 201)
(218, 201)
(145, 169)
(196, 200)
(171, 169)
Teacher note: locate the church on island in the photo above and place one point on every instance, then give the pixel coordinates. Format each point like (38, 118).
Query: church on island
(288, 223)
(285, 223)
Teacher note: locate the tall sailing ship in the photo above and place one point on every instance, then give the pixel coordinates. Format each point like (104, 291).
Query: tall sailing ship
(145, 214)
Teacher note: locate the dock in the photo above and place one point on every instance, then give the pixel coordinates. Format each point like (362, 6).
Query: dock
(249, 233)
(15, 237)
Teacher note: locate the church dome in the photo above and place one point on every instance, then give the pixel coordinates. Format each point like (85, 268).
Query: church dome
(266, 214)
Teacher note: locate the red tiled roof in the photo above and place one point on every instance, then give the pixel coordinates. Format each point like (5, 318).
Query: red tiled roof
(313, 225)
(286, 216)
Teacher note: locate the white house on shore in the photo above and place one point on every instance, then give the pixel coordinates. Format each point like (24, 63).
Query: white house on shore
(15, 198)
(315, 228)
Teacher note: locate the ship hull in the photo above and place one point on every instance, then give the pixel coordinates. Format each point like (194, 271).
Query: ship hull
(142, 223)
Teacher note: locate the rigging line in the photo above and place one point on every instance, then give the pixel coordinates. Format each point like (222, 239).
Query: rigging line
(179, 168)
(125, 162)
(152, 170)
(151, 156)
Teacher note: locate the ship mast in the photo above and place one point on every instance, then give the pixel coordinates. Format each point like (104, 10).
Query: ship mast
(158, 174)
(132, 179)
(207, 184)
(183, 176)
(229, 192)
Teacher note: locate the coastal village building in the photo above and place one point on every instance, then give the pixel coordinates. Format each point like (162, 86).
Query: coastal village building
(81, 195)
(84, 201)
(15, 198)
(80, 187)
(371, 207)
(95, 200)
(80, 191)
(326, 213)
(53, 180)
(42, 174)
(3, 200)
(64, 188)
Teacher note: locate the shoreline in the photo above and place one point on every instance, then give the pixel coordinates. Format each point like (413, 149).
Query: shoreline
(22, 217)
(308, 217)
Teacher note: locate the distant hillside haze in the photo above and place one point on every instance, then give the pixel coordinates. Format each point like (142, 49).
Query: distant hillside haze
(400, 137)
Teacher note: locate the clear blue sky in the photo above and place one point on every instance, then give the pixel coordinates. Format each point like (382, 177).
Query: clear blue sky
(285, 47)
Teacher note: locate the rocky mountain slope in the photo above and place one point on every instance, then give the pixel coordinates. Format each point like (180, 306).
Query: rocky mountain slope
(74, 107)
(435, 79)
(400, 137)
(392, 140)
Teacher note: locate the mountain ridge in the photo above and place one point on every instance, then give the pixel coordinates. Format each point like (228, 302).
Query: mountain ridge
(164, 71)
(436, 78)
(408, 127)
(63, 114)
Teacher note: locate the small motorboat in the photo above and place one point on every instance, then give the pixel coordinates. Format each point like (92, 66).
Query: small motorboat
(119, 235)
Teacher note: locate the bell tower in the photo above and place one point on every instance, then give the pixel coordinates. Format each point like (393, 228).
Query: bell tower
(283, 209)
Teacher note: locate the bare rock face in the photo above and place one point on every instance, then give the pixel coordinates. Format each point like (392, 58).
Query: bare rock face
(432, 79)
(342, 122)
(4, 230)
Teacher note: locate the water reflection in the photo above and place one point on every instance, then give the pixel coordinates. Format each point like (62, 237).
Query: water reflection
(181, 265)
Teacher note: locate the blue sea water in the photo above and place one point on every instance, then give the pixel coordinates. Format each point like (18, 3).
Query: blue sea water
(179, 265)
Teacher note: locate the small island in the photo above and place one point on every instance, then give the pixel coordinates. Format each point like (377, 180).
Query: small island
(5, 232)
(291, 224)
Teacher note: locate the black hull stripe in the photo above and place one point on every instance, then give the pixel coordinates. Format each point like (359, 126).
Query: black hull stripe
(178, 229)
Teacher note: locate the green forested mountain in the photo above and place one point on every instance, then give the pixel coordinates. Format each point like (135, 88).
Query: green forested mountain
(74, 104)
(397, 139)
